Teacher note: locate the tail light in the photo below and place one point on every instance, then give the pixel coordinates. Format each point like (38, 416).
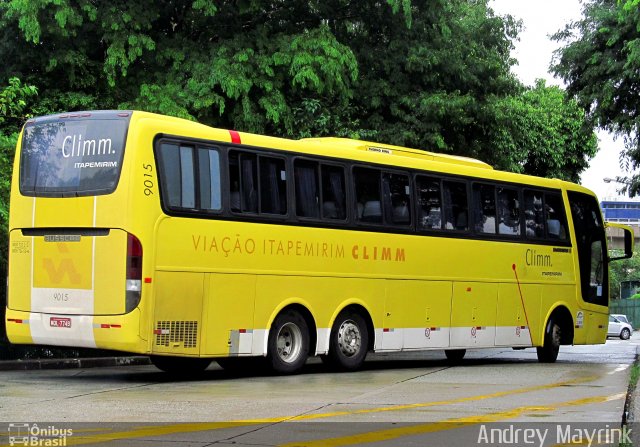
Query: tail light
(134, 273)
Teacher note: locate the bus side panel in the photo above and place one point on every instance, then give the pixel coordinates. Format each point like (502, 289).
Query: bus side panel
(419, 312)
(597, 325)
(515, 323)
(227, 323)
(473, 314)
(178, 312)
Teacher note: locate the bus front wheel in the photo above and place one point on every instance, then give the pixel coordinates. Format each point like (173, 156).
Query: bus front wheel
(288, 345)
(349, 342)
(548, 352)
(180, 365)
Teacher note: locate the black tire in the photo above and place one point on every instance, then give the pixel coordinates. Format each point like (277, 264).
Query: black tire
(288, 345)
(455, 356)
(625, 333)
(349, 342)
(548, 353)
(182, 366)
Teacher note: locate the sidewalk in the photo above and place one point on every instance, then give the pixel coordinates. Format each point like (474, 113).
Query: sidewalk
(90, 362)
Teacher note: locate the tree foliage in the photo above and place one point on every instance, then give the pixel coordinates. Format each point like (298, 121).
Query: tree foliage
(14, 99)
(600, 63)
(427, 74)
(542, 132)
(623, 270)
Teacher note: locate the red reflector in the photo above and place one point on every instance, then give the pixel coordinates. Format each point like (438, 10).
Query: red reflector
(242, 331)
(147, 280)
(157, 331)
(105, 326)
(385, 329)
(235, 137)
(116, 326)
(15, 320)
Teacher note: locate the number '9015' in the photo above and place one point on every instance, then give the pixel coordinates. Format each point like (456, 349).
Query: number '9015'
(148, 179)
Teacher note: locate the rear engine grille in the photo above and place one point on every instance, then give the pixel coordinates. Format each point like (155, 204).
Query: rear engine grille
(169, 332)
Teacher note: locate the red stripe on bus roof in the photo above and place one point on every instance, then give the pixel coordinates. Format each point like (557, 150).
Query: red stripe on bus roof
(235, 136)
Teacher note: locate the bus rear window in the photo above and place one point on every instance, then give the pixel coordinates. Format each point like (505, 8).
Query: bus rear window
(72, 157)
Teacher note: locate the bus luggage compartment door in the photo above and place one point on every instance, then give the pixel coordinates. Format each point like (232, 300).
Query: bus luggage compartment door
(178, 313)
(69, 271)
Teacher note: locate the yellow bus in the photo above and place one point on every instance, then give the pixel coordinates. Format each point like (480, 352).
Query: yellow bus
(159, 236)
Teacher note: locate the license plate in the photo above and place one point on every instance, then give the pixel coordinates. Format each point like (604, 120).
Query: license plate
(60, 322)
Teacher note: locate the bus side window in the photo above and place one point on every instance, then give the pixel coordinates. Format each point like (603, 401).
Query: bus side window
(429, 203)
(305, 174)
(555, 217)
(209, 178)
(456, 211)
(169, 167)
(484, 205)
(534, 214)
(273, 186)
(177, 171)
(367, 187)
(508, 212)
(334, 202)
(243, 178)
(397, 199)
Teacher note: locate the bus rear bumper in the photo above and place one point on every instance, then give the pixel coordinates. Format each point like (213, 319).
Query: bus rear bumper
(117, 332)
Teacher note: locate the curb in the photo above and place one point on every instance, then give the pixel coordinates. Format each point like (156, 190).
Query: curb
(90, 362)
(631, 414)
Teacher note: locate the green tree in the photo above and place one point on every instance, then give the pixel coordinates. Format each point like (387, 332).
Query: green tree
(623, 270)
(542, 132)
(14, 99)
(428, 74)
(600, 63)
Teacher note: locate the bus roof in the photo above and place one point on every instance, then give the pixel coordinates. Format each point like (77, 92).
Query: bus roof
(389, 149)
(362, 150)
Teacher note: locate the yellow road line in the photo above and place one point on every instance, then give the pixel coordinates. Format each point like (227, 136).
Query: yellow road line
(161, 430)
(448, 424)
(448, 402)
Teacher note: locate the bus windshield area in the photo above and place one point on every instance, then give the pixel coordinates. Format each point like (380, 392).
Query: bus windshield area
(77, 156)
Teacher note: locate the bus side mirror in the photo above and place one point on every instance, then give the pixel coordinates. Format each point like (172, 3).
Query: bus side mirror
(628, 240)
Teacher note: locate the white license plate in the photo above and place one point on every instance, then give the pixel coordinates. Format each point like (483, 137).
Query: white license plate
(60, 322)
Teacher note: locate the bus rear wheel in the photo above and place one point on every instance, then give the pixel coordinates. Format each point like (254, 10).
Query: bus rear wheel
(349, 342)
(180, 365)
(288, 345)
(548, 352)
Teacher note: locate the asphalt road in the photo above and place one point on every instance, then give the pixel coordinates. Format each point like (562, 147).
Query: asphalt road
(403, 400)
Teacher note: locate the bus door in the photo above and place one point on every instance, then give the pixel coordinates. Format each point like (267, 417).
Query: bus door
(592, 263)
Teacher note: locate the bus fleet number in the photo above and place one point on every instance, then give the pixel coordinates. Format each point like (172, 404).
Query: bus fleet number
(148, 180)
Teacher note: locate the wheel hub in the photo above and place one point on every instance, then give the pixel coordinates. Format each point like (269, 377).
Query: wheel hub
(349, 338)
(288, 343)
